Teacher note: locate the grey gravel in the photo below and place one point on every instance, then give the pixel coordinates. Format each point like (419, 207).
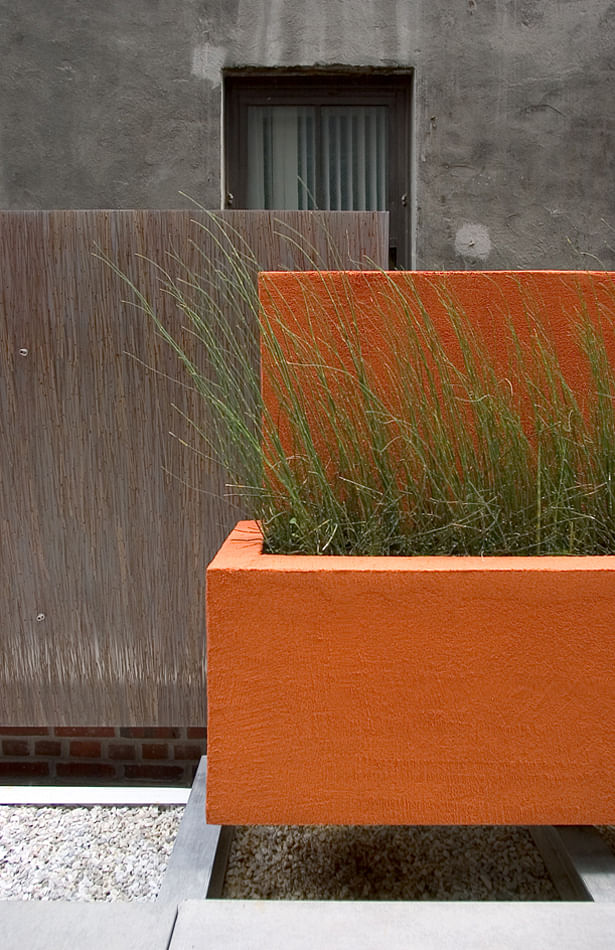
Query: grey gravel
(387, 863)
(96, 853)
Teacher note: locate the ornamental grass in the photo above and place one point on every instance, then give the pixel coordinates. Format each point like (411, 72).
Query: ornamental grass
(414, 448)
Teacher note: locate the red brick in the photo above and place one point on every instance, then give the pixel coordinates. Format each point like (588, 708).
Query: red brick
(47, 747)
(188, 752)
(155, 750)
(85, 731)
(22, 769)
(159, 772)
(149, 732)
(85, 749)
(24, 731)
(15, 747)
(85, 770)
(119, 751)
(196, 732)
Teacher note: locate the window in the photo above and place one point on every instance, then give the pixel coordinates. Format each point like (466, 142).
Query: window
(339, 142)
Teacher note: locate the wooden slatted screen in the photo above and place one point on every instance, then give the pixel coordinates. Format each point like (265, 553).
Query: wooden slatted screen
(107, 522)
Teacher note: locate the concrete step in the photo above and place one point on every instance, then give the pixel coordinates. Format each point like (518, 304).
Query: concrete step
(429, 925)
(73, 925)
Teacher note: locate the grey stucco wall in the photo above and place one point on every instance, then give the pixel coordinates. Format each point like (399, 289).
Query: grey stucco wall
(118, 104)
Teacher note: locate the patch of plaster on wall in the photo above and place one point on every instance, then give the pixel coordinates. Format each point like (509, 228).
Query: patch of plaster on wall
(208, 61)
(472, 241)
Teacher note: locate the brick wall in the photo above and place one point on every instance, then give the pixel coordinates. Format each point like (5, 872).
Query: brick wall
(132, 756)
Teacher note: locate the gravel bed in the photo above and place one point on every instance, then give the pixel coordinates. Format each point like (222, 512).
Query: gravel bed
(104, 853)
(96, 853)
(387, 863)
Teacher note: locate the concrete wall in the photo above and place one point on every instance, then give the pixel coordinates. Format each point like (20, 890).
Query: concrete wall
(118, 104)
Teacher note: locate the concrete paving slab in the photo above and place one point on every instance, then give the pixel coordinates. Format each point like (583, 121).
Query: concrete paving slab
(73, 925)
(429, 925)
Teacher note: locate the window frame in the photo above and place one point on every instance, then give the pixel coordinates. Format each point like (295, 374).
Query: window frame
(393, 89)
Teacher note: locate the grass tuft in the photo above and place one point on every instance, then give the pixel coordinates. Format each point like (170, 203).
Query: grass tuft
(408, 451)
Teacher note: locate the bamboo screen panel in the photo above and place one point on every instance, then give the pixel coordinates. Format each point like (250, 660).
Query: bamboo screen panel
(107, 522)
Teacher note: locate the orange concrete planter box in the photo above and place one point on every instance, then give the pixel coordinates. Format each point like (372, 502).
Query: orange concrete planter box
(411, 690)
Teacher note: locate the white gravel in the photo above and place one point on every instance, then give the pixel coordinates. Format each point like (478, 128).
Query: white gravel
(89, 853)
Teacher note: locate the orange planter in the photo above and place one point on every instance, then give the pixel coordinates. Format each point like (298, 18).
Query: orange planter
(413, 690)
(409, 690)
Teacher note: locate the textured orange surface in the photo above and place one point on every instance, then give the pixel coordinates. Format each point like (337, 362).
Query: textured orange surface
(414, 690)
(409, 690)
(378, 303)
(489, 298)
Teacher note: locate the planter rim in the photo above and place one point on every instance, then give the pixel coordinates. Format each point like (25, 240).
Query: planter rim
(243, 550)
(470, 275)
